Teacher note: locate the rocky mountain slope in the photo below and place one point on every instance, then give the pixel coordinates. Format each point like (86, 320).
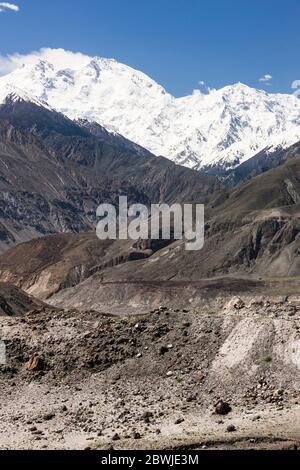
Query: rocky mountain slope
(206, 378)
(15, 302)
(54, 174)
(49, 264)
(251, 230)
(257, 165)
(113, 137)
(221, 129)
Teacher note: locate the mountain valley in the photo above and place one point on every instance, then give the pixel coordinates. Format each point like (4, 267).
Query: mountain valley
(122, 344)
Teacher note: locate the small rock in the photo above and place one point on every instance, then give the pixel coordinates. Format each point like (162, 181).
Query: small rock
(191, 398)
(163, 350)
(179, 421)
(58, 431)
(235, 303)
(170, 373)
(147, 415)
(231, 428)
(48, 416)
(34, 363)
(116, 437)
(222, 408)
(256, 418)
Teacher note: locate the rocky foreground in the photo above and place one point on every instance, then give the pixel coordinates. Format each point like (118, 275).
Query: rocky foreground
(172, 378)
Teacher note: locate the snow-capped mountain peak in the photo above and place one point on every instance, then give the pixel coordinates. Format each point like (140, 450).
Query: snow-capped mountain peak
(13, 94)
(224, 127)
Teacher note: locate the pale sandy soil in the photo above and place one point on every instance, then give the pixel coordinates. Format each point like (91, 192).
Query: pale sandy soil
(153, 380)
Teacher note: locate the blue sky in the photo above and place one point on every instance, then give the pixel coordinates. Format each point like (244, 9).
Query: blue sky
(177, 42)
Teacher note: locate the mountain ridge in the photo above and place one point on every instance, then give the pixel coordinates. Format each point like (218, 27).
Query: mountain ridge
(223, 128)
(54, 174)
(252, 234)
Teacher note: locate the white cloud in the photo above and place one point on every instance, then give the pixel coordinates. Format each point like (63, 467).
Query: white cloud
(266, 78)
(202, 83)
(60, 58)
(8, 6)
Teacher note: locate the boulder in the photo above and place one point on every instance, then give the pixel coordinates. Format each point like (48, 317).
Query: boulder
(235, 303)
(222, 408)
(35, 363)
